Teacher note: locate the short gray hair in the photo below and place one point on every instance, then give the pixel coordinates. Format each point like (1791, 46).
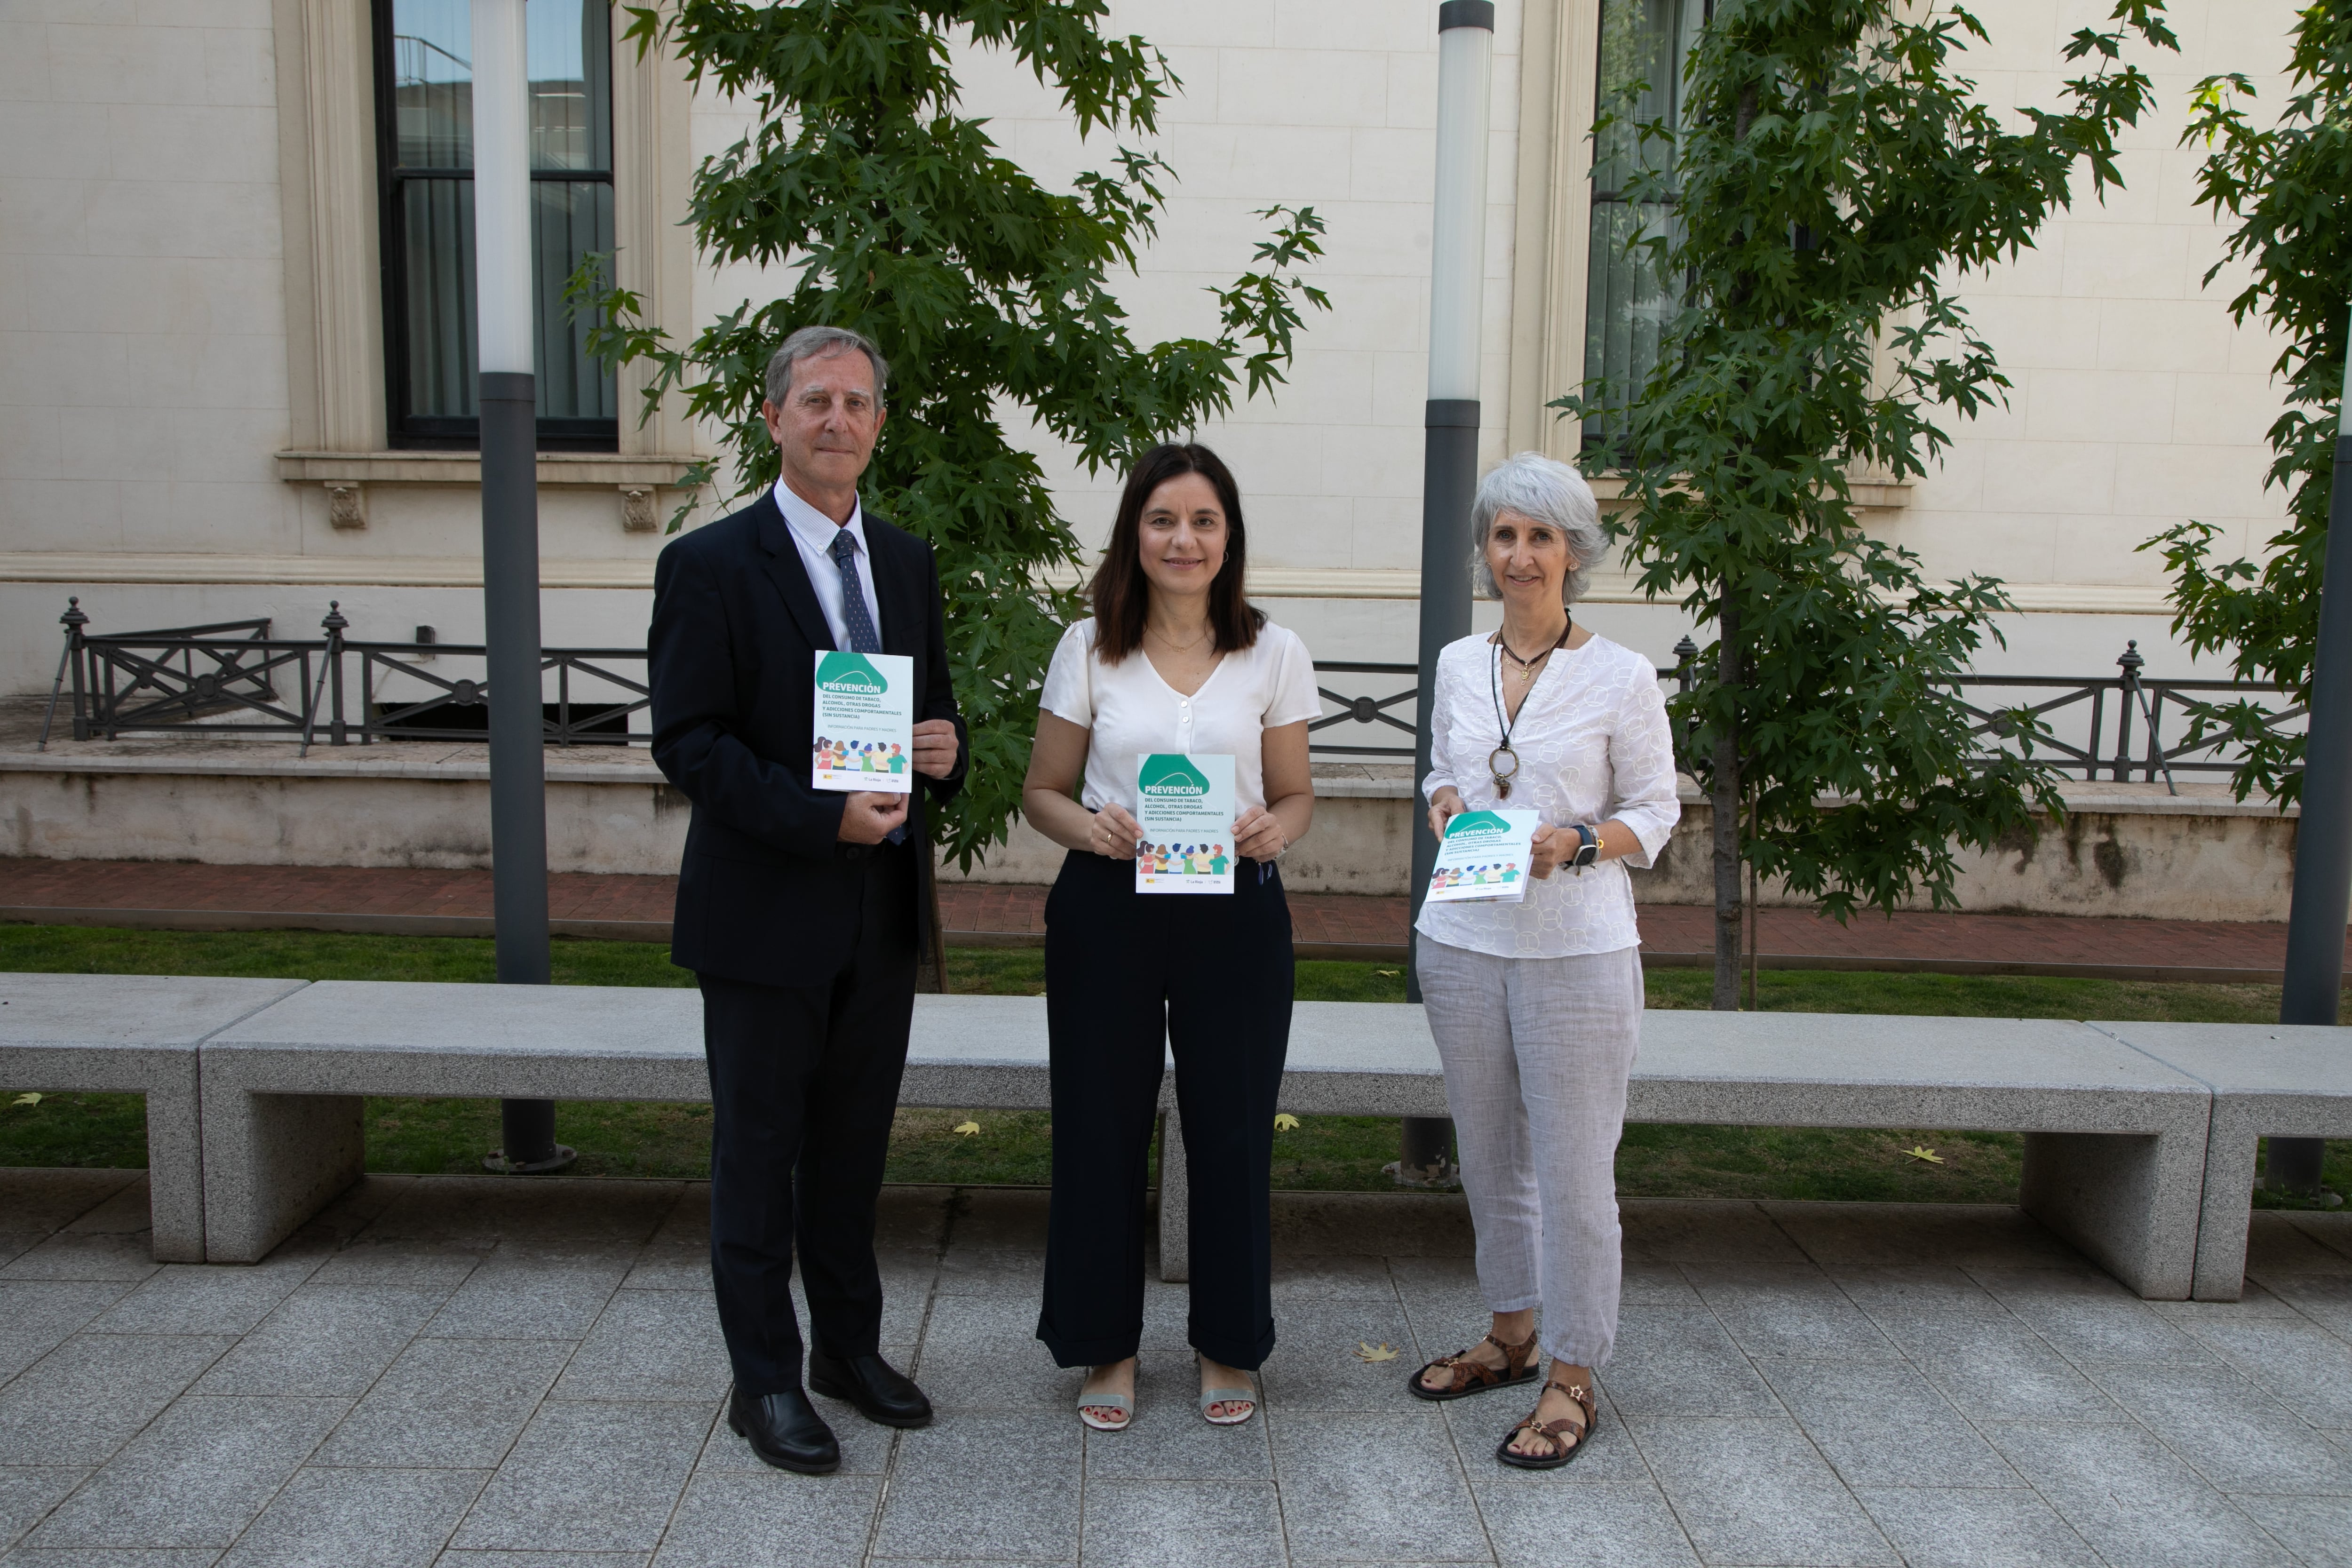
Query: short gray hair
(816, 342)
(1541, 489)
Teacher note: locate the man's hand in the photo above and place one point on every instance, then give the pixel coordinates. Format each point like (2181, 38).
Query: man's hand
(935, 747)
(1444, 805)
(868, 816)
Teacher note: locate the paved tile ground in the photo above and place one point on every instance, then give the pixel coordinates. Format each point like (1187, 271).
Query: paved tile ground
(479, 1374)
(1021, 908)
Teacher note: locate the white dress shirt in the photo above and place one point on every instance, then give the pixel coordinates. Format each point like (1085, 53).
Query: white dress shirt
(1131, 710)
(1593, 743)
(813, 532)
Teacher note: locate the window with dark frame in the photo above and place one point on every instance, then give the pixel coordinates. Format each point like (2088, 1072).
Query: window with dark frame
(1626, 303)
(425, 158)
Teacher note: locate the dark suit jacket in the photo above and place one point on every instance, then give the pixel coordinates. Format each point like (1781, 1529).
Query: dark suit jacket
(735, 633)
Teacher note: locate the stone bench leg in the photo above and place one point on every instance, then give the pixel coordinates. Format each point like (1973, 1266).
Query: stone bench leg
(272, 1161)
(2228, 1209)
(1175, 1201)
(175, 1173)
(2128, 1200)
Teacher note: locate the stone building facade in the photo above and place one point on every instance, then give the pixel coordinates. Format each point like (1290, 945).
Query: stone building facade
(216, 270)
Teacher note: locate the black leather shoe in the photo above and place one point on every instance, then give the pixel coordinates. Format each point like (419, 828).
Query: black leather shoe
(879, 1390)
(785, 1431)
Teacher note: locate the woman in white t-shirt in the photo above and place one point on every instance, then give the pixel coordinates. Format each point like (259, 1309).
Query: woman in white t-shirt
(1173, 660)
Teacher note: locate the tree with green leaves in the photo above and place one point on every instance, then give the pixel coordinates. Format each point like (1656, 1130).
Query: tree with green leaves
(987, 292)
(1831, 180)
(2289, 188)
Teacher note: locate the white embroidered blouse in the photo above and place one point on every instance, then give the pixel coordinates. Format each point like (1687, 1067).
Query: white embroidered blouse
(1593, 743)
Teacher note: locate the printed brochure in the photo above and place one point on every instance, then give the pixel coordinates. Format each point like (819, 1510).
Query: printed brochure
(1485, 858)
(865, 734)
(1187, 818)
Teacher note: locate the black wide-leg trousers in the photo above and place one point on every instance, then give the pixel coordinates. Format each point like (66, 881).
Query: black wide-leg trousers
(803, 1086)
(1127, 977)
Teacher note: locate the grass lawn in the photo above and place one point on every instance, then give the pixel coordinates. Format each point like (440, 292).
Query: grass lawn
(1324, 1152)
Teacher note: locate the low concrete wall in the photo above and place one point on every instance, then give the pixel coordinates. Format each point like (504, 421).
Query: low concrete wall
(2123, 849)
(2128, 851)
(329, 813)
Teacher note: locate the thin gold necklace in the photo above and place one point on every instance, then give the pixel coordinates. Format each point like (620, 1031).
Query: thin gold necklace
(1180, 648)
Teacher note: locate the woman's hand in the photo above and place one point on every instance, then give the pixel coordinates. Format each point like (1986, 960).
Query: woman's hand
(1259, 835)
(1114, 833)
(1444, 805)
(1548, 847)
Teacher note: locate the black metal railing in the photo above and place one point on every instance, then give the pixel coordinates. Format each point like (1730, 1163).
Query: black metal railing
(231, 678)
(2125, 727)
(223, 679)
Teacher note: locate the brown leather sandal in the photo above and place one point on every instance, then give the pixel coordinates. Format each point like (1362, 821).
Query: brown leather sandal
(1476, 1377)
(1557, 1433)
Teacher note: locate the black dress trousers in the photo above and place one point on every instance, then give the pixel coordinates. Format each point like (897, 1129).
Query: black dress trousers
(781, 1175)
(1127, 977)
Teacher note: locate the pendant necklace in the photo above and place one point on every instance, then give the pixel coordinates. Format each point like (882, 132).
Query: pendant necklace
(1505, 720)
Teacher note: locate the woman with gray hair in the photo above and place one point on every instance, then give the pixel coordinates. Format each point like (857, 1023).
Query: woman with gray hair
(1537, 1006)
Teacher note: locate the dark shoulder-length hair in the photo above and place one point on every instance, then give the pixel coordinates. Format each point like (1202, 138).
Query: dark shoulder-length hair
(1122, 595)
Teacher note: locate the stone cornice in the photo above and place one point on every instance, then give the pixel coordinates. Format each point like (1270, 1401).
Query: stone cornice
(663, 470)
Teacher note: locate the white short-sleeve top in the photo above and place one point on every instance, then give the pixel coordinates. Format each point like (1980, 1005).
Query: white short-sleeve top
(1131, 711)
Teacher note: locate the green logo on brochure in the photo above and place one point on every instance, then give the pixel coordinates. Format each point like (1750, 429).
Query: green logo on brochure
(1172, 775)
(1475, 824)
(850, 672)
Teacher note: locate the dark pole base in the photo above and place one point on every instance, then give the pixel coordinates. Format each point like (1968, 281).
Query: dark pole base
(2295, 1166)
(528, 1130)
(1426, 1156)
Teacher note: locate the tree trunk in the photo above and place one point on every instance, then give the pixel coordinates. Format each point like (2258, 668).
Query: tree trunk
(1724, 795)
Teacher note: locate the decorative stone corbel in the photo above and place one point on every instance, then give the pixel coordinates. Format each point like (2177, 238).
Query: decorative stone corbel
(637, 510)
(346, 503)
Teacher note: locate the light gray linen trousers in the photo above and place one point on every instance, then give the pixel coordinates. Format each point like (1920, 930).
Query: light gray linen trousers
(1537, 1006)
(1536, 1052)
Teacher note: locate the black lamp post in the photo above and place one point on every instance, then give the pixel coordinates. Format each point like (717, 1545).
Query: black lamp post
(2323, 842)
(1465, 55)
(508, 401)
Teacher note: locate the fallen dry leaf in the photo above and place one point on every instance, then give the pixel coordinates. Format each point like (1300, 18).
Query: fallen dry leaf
(27, 1099)
(1387, 971)
(1381, 1352)
(1929, 1155)
(966, 1128)
(1285, 1122)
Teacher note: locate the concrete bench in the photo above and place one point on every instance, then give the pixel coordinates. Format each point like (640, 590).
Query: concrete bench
(132, 1033)
(2114, 1140)
(283, 1090)
(2268, 1080)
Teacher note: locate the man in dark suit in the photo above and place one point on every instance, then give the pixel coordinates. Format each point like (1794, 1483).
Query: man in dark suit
(801, 911)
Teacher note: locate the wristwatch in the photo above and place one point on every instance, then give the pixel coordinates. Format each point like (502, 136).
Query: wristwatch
(1587, 851)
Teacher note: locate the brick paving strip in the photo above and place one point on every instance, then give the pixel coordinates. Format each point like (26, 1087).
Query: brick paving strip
(398, 900)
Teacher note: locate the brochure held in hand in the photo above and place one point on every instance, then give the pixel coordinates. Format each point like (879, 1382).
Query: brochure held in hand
(1484, 859)
(865, 729)
(1186, 812)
